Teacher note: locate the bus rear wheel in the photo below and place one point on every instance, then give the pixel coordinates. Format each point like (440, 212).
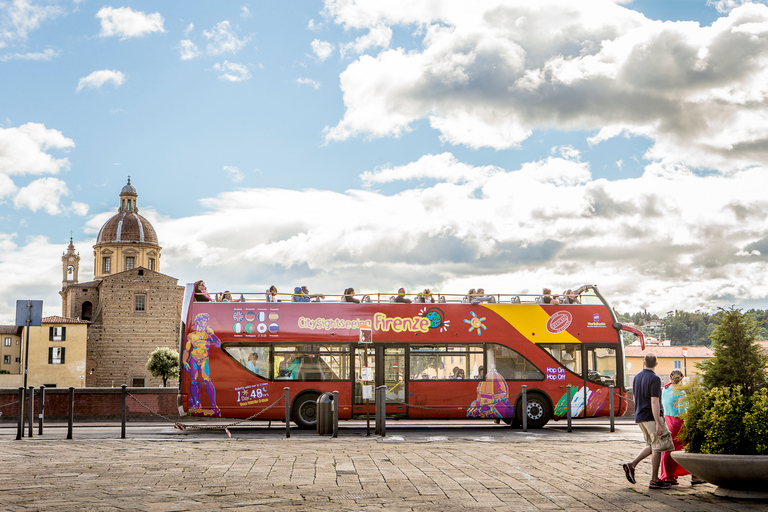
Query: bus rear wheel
(539, 411)
(304, 412)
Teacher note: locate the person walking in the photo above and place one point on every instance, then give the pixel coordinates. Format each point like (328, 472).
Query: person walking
(673, 401)
(649, 416)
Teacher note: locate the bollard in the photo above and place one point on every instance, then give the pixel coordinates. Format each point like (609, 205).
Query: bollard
(377, 407)
(31, 409)
(335, 414)
(610, 400)
(287, 413)
(122, 430)
(71, 411)
(568, 407)
(42, 410)
(20, 428)
(525, 408)
(367, 417)
(381, 411)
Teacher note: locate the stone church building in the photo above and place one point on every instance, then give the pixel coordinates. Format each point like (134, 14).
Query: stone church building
(132, 308)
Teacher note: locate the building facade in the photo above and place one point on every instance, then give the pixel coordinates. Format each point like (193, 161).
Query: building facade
(131, 308)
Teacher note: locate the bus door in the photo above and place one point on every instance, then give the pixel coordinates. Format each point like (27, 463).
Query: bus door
(600, 369)
(385, 366)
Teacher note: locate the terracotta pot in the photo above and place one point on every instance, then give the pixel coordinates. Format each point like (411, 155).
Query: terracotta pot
(729, 472)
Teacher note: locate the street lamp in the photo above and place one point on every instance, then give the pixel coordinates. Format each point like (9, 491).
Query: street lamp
(685, 363)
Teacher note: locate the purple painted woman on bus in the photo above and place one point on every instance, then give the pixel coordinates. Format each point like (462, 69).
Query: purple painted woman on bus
(196, 364)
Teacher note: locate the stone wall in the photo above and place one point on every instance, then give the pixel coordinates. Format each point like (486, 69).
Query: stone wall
(95, 404)
(121, 339)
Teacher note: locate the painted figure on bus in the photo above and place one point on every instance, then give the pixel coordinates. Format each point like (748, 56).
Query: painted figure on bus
(492, 398)
(195, 361)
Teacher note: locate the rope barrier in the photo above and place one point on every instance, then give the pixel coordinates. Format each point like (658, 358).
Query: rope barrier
(185, 426)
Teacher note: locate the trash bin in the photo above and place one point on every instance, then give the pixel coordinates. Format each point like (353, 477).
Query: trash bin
(325, 414)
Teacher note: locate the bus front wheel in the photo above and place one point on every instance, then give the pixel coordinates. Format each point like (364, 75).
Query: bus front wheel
(304, 413)
(539, 411)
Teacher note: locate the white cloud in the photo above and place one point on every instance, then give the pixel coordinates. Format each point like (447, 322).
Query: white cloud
(488, 76)
(235, 174)
(125, 22)
(232, 71)
(724, 6)
(222, 39)
(377, 37)
(24, 150)
(245, 12)
(20, 17)
(98, 78)
(43, 193)
(79, 208)
(322, 49)
(47, 54)
(189, 29)
(188, 50)
(308, 81)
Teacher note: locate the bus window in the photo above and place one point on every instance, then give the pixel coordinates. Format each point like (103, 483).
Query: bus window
(254, 358)
(567, 354)
(446, 362)
(512, 365)
(310, 361)
(601, 365)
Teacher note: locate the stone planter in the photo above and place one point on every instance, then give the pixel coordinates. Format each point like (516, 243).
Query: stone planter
(737, 476)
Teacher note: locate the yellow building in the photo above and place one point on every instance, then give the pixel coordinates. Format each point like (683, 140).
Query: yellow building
(57, 352)
(10, 356)
(668, 358)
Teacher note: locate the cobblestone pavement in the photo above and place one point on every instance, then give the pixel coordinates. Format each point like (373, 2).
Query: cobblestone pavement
(410, 470)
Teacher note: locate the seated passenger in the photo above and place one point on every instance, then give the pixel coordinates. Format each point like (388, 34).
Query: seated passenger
(227, 297)
(349, 296)
(470, 295)
(568, 358)
(299, 296)
(314, 298)
(425, 297)
(272, 294)
(546, 297)
(480, 296)
(570, 298)
(201, 294)
(401, 296)
(253, 362)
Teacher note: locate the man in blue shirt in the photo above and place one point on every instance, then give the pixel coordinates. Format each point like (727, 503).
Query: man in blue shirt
(649, 416)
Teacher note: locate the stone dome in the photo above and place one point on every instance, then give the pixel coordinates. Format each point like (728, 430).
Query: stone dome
(127, 227)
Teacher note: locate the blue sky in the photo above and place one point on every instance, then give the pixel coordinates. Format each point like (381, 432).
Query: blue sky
(386, 144)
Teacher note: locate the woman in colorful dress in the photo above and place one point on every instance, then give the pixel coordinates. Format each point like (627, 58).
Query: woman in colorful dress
(673, 401)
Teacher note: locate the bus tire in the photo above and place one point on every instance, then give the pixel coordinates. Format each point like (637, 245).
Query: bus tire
(539, 410)
(304, 410)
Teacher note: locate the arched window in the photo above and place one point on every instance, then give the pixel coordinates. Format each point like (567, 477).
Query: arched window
(86, 310)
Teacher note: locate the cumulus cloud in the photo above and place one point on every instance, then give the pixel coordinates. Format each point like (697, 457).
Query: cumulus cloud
(98, 78)
(232, 71)
(321, 49)
(47, 54)
(188, 50)
(377, 37)
(43, 193)
(223, 39)
(20, 17)
(234, 173)
(489, 76)
(125, 23)
(24, 150)
(308, 81)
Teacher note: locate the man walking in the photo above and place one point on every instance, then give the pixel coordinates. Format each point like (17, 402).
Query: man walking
(650, 418)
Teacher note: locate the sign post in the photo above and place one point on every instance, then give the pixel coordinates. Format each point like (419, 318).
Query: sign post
(28, 313)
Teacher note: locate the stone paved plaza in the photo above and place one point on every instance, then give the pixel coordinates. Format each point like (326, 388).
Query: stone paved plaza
(465, 469)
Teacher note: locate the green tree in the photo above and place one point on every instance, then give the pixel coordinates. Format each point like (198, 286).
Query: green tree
(164, 363)
(739, 362)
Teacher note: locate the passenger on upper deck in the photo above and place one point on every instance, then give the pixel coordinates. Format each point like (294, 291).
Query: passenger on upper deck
(547, 297)
(425, 297)
(201, 294)
(349, 296)
(272, 294)
(470, 296)
(570, 298)
(227, 297)
(401, 297)
(299, 295)
(480, 296)
(314, 298)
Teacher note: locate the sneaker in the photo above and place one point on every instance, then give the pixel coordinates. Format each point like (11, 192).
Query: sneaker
(658, 484)
(629, 471)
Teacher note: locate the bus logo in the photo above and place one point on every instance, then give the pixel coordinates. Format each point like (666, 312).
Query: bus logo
(559, 322)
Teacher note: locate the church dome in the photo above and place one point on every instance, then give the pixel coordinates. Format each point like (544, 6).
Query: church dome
(127, 227)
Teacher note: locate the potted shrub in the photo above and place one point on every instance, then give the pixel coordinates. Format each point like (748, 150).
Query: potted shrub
(726, 426)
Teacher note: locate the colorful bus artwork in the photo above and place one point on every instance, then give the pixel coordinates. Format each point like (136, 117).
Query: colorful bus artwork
(451, 358)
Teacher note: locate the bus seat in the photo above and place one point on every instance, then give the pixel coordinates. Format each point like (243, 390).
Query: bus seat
(442, 299)
(392, 299)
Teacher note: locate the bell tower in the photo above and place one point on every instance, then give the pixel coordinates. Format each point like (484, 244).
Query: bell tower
(70, 266)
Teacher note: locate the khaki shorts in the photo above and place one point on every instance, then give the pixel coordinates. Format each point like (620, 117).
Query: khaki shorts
(662, 443)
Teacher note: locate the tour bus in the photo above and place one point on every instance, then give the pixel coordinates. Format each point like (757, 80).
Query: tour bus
(448, 357)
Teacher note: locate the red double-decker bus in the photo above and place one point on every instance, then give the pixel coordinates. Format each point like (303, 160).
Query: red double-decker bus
(453, 358)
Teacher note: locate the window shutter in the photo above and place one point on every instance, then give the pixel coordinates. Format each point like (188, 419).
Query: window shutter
(63, 334)
(62, 354)
(50, 354)
(50, 333)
